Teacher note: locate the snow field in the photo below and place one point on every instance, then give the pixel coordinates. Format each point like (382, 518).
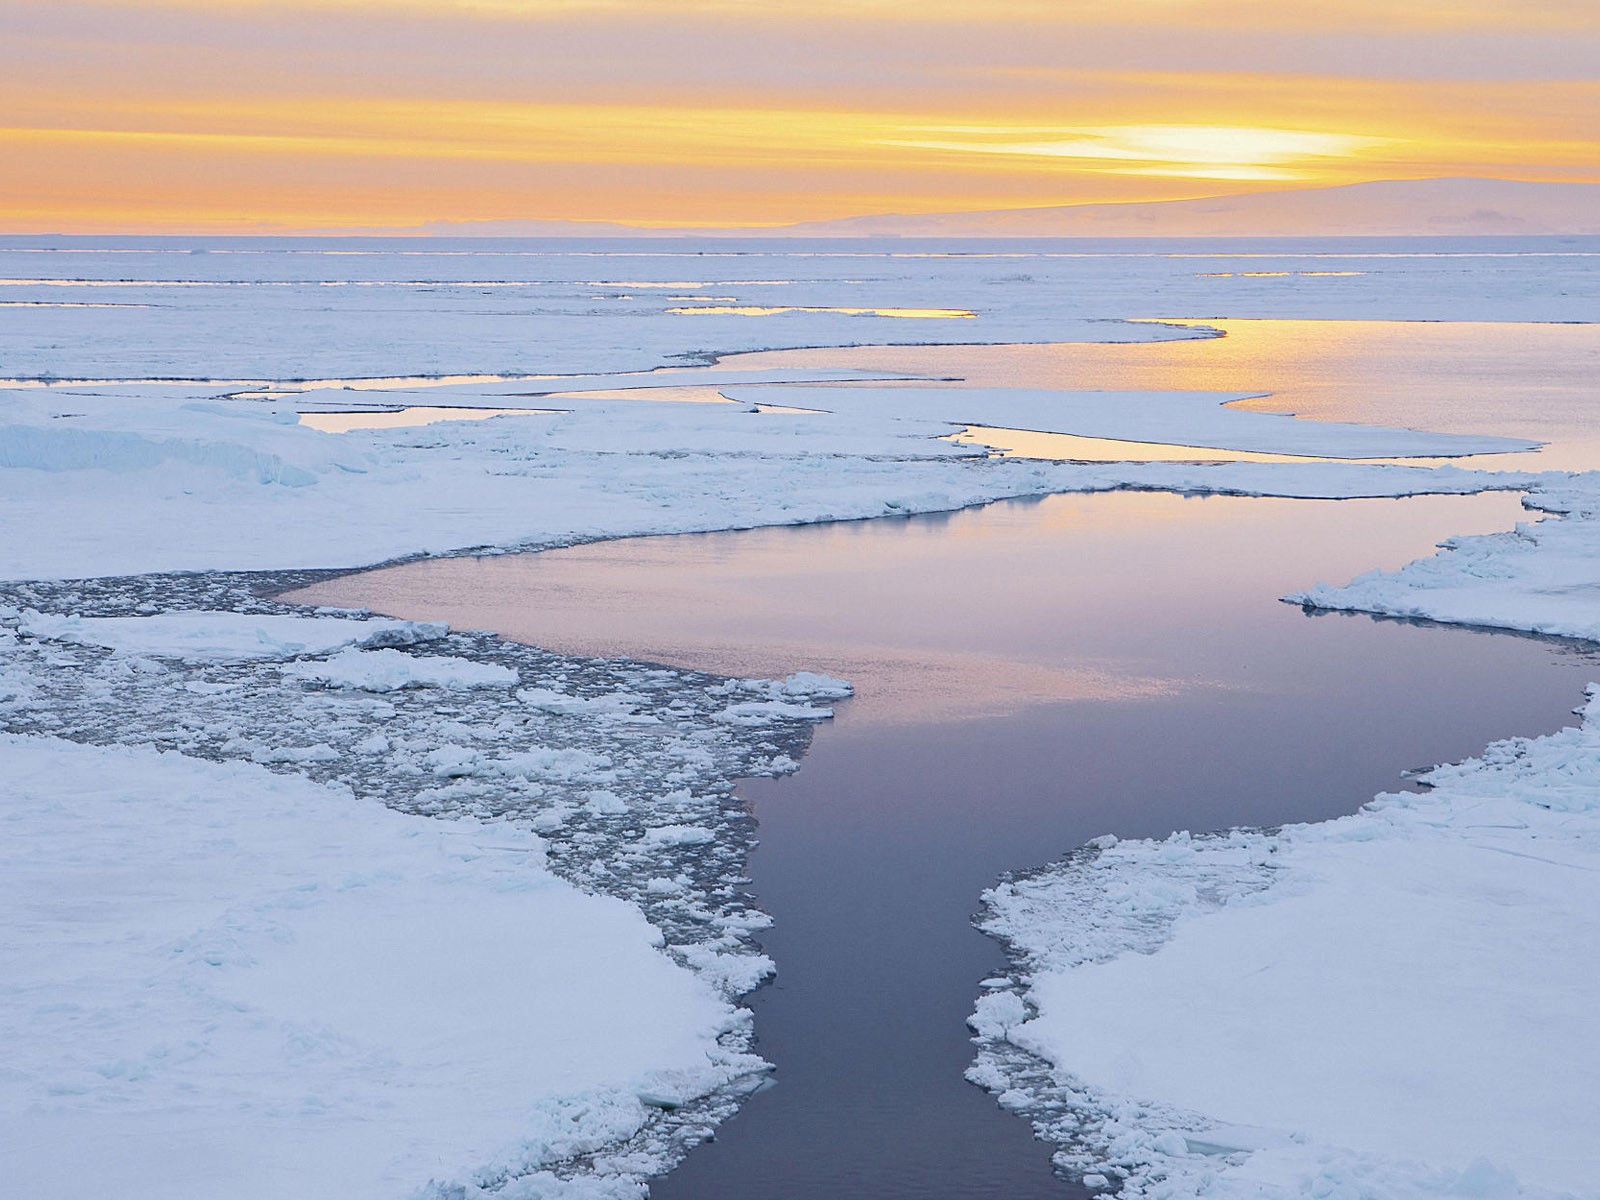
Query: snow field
(227, 981)
(253, 986)
(1398, 1003)
(1540, 577)
(231, 962)
(602, 469)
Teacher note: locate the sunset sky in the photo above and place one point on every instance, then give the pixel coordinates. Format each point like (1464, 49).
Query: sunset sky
(286, 115)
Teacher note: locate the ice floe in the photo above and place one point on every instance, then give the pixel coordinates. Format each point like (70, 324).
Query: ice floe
(1399, 1003)
(1186, 418)
(369, 998)
(222, 980)
(602, 469)
(388, 670)
(1542, 577)
(200, 636)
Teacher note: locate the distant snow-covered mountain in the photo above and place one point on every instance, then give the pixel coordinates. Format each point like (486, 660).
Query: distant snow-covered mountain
(1398, 208)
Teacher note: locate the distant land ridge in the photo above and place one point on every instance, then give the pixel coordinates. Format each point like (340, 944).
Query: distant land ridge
(1458, 207)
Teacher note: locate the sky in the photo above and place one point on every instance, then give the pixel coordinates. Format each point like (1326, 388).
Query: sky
(324, 115)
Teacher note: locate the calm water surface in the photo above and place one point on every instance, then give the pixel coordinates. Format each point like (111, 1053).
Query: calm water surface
(1030, 675)
(1536, 381)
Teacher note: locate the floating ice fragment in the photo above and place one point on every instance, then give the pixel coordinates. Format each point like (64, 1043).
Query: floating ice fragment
(808, 685)
(676, 835)
(390, 670)
(321, 752)
(206, 636)
(762, 712)
(453, 762)
(996, 1014)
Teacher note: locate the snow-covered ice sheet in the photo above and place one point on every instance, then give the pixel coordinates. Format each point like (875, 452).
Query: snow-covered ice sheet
(262, 971)
(122, 478)
(326, 308)
(223, 981)
(1399, 1003)
(618, 775)
(225, 636)
(1542, 577)
(121, 485)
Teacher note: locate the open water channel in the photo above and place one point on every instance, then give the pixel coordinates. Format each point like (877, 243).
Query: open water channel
(1029, 676)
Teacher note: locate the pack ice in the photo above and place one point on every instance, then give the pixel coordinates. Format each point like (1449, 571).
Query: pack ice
(315, 904)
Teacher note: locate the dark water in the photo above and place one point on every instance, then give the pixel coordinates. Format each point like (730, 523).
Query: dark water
(1030, 675)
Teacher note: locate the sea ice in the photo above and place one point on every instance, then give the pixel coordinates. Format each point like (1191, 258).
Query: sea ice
(316, 1024)
(225, 636)
(603, 469)
(1542, 577)
(389, 670)
(1398, 1003)
(1185, 418)
(223, 981)
(252, 987)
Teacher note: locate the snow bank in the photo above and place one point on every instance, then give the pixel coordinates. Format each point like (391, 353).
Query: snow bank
(1399, 1003)
(45, 449)
(1541, 577)
(225, 636)
(390, 670)
(221, 981)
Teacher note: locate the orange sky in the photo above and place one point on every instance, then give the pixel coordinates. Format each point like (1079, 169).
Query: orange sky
(236, 115)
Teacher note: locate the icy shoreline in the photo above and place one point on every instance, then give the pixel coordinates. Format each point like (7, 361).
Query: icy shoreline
(606, 780)
(610, 779)
(1320, 1010)
(1317, 1011)
(1539, 577)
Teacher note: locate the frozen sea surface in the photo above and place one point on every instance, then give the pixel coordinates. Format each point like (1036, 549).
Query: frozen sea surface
(622, 770)
(284, 308)
(310, 902)
(1024, 683)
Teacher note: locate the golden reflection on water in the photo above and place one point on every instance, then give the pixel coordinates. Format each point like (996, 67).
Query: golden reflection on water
(627, 600)
(1028, 443)
(980, 612)
(751, 310)
(1534, 381)
(405, 418)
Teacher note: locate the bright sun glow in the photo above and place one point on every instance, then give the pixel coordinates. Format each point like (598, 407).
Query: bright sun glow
(1197, 151)
(327, 115)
